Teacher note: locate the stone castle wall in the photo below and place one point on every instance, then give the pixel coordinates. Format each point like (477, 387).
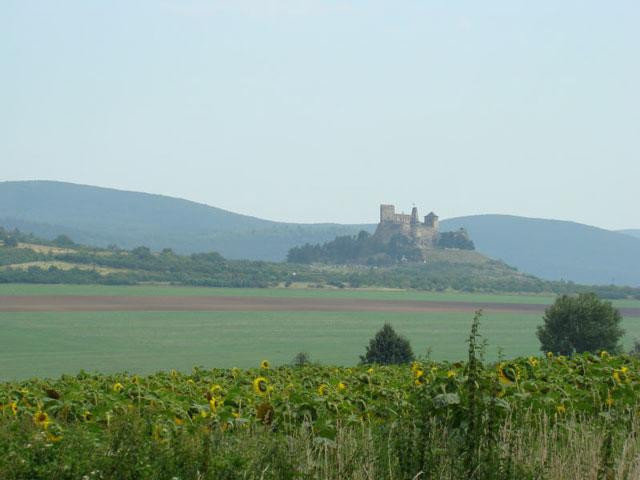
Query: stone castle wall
(422, 234)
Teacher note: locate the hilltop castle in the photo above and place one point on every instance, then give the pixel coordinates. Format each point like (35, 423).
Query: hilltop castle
(423, 234)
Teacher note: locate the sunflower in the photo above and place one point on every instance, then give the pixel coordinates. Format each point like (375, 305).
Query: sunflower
(178, 421)
(261, 385)
(41, 419)
(264, 364)
(14, 408)
(561, 408)
(620, 376)
(549, 355)
(604, 354)
(216, 389)
(323, 389)
(533, 361)
(508, 373)
(117, 387)
(87, 415)
(214, 403)
(342, 386)
(370, 371)
(451, 373)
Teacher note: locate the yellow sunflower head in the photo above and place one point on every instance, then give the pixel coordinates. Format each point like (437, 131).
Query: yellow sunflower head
(508, 373)
(216, 390)
(323, 389)
(264, 364)
(117, 387)
(451, 373)
(370, 371)
(549, 355)
(261, 386)
(41, 419)
(342, 386)
(214, 403)
(561, 408)
(14, 408)
(533, 361)
(604, 354)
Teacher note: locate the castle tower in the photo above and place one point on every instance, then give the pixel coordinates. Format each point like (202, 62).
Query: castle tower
(387, 213)
(414, 216)
(431, 220)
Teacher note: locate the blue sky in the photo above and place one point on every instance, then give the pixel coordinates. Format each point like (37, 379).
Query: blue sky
(313, 110)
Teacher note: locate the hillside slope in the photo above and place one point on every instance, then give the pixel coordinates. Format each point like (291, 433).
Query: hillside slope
(103, 216)
(555, 249)
(549, 249)
(633, 233)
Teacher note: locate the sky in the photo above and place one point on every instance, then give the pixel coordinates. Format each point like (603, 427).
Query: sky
(320, 110)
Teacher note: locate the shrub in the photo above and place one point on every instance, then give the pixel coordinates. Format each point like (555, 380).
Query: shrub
(580, 324)
(387, 347)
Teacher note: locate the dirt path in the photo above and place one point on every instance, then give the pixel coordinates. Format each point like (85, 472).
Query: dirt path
(51, 303)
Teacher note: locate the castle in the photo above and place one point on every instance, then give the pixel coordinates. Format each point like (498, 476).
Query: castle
(423, 234)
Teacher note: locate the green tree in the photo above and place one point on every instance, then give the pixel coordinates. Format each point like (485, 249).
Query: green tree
(63, 241)
(387, 348)
(10, 242)
(580, 324)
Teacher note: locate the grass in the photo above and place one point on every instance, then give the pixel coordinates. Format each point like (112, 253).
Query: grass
(372, 294)
(51, 343)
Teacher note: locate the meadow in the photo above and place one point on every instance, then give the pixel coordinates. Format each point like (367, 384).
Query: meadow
(48, 344)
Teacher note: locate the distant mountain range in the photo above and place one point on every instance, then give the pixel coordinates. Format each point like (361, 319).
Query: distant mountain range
(633, 233)
(549, 249)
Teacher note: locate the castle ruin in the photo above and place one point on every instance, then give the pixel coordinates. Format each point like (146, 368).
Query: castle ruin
(423, 234)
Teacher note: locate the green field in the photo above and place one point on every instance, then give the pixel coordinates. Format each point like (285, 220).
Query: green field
(52, 343)
(49, 344)
(372, 294)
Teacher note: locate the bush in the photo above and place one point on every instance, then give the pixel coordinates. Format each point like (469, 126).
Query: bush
(301, 359)
(580, 324)
(387, 348)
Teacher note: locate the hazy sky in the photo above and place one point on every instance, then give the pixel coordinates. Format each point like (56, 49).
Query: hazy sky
(310, 110)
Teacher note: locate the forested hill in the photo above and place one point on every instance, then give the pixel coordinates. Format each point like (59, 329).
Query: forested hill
(555, 249)
(99, 216)
(103, 216)
(633, 233)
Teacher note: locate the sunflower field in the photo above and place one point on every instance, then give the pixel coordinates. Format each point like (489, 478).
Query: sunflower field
(321, 400)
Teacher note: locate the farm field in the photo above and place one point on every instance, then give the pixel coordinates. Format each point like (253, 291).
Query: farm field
(163, 329)
(48, 344)
(370, 294)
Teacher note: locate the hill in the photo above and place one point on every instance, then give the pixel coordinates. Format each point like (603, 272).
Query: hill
(554, 249)
(633, 233)
(104, 216)
(549, 249)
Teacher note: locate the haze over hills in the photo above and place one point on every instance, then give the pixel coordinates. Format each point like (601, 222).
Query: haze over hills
(103, 216)
(550, 249)
(556, 250)
(633, 233)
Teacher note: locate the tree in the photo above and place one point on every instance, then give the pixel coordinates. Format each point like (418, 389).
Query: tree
(301, 359)
(580, 324)
(63, 241)
(10, 242)
(387, 347)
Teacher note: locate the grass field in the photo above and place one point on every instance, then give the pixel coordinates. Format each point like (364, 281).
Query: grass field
(52, 343)
(371, 294)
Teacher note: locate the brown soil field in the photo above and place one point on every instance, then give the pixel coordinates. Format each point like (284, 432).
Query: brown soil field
(49, 303)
